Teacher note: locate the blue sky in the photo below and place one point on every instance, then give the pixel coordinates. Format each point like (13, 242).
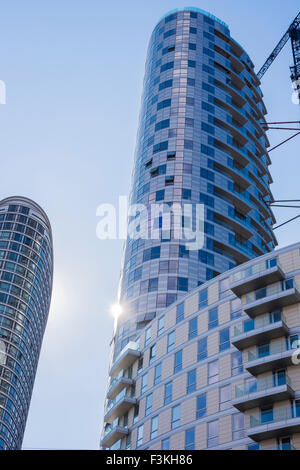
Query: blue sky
(73, 71)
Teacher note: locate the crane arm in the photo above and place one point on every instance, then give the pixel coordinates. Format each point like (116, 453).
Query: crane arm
(279, 46)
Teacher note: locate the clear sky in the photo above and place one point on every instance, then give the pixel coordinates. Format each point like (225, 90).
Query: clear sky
(73, 71)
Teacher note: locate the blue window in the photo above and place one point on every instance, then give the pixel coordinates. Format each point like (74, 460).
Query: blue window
(153, 285)
(207, 200)
(206, 258)
(208, 150)
(201, 406)
(151, 253)
(190, 439)
(171, 18)
(182, 284)
(191, 63)
(166, 84)
(213, 320)
(266, 414)
(171, 341)
(148, 405)
(193, 14)
(208, 88)
(178, 362)
(164, 104)
(157, 374)
(160, 147)
(208, 52)
(162, 124)
(183, 252)
(203, 299)
(167, 66)
(168, 49)
(186, 194)
(202, 349)
(180, 313)
(209, 20)
(224, 339)
(193, 30)
(207, 128)
(208, 107)
(160, 195)
(191, 381)
(191, 81)
(209, 229)
(192, 46)
(209, 175)
(193, 328)
(168, 393)
(169, 33)
(208, 69)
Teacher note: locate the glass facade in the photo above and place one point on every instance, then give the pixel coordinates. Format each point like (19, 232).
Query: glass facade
(26, 271)
(200, 141)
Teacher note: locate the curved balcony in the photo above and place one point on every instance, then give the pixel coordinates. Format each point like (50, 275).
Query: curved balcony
(259, 331)
(262, 392)
(117, 385)
(256, 276)
(125, 359)
(271, 298)
(281, 421)
(113, 434)
(120, 405)
(277, 355)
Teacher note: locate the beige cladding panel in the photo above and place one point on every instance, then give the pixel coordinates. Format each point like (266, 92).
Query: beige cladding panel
(201, 436)
(191, 305)
(190, 355)
(170, 319)
(212, 401)
(177, 441)
(164, 422)
(290, 261)
(213, 293)
(225, 429)
(225, 367)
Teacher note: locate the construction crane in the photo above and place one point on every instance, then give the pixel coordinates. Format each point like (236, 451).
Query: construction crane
(293, 33)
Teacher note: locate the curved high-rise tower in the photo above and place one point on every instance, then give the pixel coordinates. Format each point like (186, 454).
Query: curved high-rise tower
(200, 141)
(26, 272)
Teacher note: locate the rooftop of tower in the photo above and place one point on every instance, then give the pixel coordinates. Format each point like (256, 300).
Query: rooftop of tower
(198, 10)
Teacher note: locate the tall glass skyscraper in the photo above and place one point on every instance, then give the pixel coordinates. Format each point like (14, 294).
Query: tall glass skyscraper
(200, 141)
(26, 272)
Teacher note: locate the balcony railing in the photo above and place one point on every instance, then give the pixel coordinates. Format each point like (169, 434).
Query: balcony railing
(274, 416)
(257, 323)
(252, 270)
(261, 385)
(125, 358)
(270, 349)
(123, 394)
(273, 289)
(272, 297)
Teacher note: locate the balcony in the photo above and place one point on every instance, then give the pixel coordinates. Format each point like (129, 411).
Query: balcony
(117, 385)
(272, 297)
(112, 434)
(270, 357)
(119, 405)
(281, 421)
(256, 276)
(262, 392)
(126, 358)
(259, 331)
